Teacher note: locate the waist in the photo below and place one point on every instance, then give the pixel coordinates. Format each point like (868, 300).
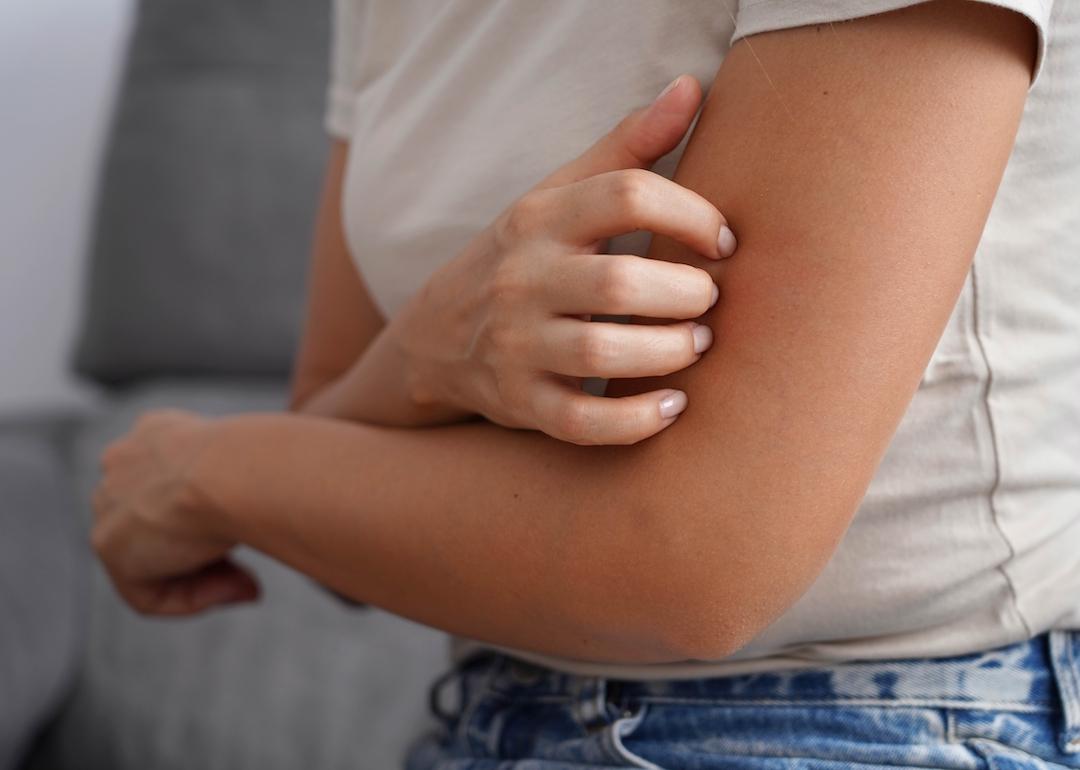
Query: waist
(1038, 675)
(1011, 706)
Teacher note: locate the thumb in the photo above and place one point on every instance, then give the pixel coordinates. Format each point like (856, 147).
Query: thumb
(641, 138)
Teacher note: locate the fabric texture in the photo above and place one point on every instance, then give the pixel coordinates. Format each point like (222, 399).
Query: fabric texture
(43, 570)
(209, 192)
(969, 535)
(1011, 708)
(767, 15)
(295, 680)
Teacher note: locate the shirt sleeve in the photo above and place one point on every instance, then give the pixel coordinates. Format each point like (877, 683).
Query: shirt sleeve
(766, 15)
(340, 93)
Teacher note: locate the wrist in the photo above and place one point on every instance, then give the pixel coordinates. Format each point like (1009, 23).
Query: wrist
(204, 486)
(427, 383)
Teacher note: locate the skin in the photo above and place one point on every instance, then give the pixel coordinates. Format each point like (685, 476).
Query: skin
(859, 174)
(342, 318)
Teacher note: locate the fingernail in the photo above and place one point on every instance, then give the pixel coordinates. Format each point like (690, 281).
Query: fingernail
(715, 295)
(667, 89)
(672, 404)
(726, 242)
(702, 338)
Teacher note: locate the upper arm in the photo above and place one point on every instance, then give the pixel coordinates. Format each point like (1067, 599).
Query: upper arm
(341, 316)
(857, 164)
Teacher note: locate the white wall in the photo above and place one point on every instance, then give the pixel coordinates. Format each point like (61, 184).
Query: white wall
(59, 60)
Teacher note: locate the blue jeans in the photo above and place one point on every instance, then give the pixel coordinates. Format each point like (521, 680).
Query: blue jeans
(1012, 708)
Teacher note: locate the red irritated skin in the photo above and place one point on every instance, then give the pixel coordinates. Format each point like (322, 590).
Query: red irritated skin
(857, 211)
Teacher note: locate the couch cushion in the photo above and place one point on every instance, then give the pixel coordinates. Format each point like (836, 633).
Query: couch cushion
(298, 680)
(43, 571)
(209, 191)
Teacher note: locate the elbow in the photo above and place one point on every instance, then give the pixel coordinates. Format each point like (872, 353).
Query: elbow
(715, 582)
(675, 608)
(705, 562)
(700, 624)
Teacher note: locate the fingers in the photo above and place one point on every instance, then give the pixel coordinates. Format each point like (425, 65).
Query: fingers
(641, 138)
(624, 284)
(221, 583)
(595, 349)
(568, 414)
(618, 202)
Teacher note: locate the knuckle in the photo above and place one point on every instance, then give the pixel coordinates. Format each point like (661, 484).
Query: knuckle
(572, 422)
(596, 350)
(502, 341)
(523, 217)
(630, 188)
(615, 284)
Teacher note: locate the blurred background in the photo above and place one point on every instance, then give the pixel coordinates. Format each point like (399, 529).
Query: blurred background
(159, 168)
(59, 69)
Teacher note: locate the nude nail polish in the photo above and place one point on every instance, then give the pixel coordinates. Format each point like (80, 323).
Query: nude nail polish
(726, 242)
(702, 338)
(672, 404)
(667, 89)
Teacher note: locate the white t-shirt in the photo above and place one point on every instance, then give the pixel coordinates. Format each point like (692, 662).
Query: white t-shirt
(969, 535)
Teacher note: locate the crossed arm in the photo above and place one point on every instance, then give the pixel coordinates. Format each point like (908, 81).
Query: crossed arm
(858, 166)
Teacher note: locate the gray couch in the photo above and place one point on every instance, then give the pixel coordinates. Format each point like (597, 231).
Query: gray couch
(194, 297)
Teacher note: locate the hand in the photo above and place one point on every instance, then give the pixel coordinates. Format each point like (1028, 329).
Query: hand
(153, 531)
(503, 330)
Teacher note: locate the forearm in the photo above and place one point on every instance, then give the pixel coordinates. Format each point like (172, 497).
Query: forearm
(504, 536)
(347, 365)
(379, 389)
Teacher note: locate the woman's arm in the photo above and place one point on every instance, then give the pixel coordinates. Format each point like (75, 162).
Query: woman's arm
(858, 168)
(342, 319)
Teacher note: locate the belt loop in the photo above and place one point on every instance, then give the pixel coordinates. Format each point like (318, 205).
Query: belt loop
(590, 703)
(1065, 659)
(455, 675)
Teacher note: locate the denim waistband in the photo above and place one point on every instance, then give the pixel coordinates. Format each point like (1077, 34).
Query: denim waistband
(1038, 675)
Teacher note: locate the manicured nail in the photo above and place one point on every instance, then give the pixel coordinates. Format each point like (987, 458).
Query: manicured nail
(702, 338)
(715, 295)
(667, 89)
(726, 242)
(672, 404)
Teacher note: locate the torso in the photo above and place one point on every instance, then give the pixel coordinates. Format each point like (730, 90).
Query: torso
(969, 536)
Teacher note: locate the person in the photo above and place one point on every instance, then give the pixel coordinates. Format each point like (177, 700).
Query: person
(825, 513)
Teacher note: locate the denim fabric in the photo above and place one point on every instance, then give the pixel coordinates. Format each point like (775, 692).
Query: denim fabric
(1013, 708)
